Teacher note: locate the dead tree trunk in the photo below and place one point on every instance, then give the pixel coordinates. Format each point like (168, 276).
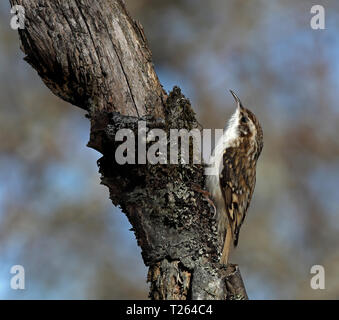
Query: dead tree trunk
(95, 56)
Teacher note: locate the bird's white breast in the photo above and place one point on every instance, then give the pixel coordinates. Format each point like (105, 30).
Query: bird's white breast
(228, 139)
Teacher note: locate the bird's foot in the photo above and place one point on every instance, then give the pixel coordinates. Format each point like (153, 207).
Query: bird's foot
(206, 195)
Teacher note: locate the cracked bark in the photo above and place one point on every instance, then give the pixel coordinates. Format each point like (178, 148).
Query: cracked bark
(95, 56)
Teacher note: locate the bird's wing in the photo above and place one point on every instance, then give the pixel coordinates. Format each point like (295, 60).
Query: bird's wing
(236, 189)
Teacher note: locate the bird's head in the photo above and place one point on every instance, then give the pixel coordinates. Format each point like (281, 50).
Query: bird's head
(245, 126)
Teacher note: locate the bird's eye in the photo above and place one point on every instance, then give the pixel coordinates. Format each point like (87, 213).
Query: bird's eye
(243, 119)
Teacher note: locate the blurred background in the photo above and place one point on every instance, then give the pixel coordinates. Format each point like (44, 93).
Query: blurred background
(56, 219)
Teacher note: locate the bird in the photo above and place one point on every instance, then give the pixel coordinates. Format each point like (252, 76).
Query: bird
(231, 187)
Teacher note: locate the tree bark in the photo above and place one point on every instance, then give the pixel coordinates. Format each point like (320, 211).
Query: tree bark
(95, 56)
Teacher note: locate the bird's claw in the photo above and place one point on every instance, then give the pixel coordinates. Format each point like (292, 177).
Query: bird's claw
(206, 195)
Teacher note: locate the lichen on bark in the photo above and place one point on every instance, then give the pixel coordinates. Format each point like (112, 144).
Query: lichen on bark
(171, 209)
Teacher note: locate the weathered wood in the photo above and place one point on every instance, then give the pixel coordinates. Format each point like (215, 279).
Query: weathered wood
(95, 56)
(91, 53)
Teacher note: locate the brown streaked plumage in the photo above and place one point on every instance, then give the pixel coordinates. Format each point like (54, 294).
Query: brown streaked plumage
(234, 158)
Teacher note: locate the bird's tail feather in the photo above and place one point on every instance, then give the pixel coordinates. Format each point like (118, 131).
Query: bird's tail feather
(227, 247)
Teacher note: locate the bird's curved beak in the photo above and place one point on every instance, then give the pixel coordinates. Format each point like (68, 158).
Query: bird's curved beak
(237, 100)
